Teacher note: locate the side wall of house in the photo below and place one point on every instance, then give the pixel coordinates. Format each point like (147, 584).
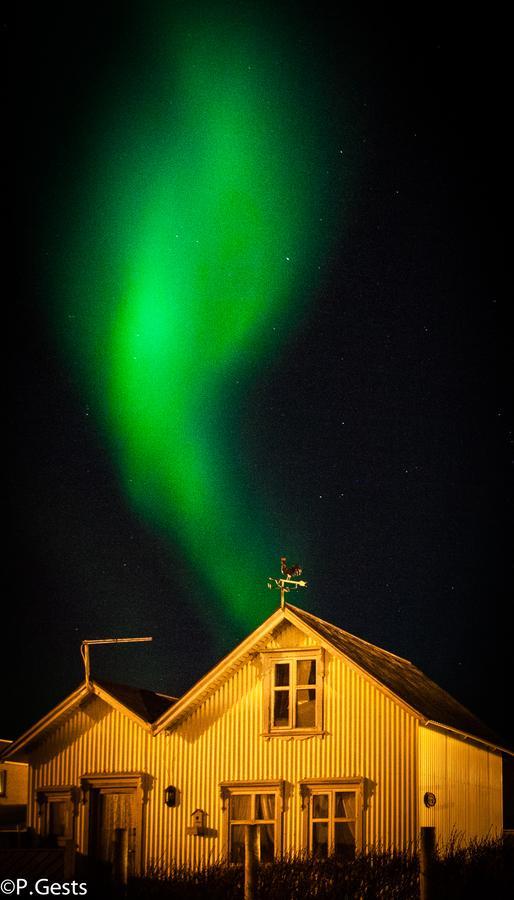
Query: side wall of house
(466, 780)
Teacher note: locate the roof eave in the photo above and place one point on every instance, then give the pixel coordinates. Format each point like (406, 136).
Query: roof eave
(468, 736)
(69, 703)
(46, 721)
(296, 620)
(423, 720)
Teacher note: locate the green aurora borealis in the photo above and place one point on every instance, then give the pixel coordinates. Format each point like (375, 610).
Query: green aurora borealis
(195, 227)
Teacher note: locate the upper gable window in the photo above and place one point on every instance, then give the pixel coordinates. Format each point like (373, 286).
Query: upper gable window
(293, 695)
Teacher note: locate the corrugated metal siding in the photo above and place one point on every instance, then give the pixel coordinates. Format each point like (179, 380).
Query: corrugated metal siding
(367, 735)
(467, 782)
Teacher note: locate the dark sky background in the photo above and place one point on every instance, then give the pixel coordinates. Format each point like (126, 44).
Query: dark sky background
(398, 388)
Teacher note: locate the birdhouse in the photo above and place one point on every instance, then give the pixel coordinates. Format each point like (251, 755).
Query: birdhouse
(199, 817)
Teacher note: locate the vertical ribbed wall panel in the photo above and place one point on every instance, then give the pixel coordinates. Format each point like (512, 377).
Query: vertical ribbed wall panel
(467, 782)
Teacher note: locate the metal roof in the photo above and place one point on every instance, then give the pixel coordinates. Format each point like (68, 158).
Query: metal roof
(148, 705)
(409, 683)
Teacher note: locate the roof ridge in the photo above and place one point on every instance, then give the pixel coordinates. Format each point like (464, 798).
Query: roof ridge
(354, 636)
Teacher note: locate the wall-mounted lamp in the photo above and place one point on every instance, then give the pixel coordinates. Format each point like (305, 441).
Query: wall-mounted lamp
(170, 796)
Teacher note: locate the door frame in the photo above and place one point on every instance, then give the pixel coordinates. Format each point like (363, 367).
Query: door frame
(127, 782)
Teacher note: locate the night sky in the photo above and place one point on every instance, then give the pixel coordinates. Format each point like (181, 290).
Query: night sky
(341, 179)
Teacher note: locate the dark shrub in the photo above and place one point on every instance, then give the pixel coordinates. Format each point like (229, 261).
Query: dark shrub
(371, 875)
(483, 869)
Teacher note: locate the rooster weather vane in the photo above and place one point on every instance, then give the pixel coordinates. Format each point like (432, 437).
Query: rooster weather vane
(288, 582)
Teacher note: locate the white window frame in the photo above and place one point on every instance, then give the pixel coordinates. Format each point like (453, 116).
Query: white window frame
(269, 659)
(314, 786)
(229, 788)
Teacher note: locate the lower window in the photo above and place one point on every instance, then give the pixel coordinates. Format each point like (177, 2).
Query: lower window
(252, 809)
(257, 805)
(57, 811)
(333, 819)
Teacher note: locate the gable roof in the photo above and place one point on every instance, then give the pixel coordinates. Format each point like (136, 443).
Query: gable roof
(403, 678)
(139, 704)
(399, 677)
(155, 711)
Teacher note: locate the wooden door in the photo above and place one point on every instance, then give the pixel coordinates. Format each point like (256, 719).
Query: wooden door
(114, 809)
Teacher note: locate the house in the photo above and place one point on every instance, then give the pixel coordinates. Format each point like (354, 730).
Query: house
(324, 741)
(13, 791)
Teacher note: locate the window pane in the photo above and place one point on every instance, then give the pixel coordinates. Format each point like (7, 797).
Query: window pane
(281, 674)
(266, 843)
(306, 708)
(57, 818)
(281, 708)
(344, 840)
(345, 805)
(320, 839)
(306, 671)
(320, 806)
(241, 807)
(237, 843)
(265, 806)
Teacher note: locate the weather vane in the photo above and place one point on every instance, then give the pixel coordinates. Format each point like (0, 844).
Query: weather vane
(288, 581)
